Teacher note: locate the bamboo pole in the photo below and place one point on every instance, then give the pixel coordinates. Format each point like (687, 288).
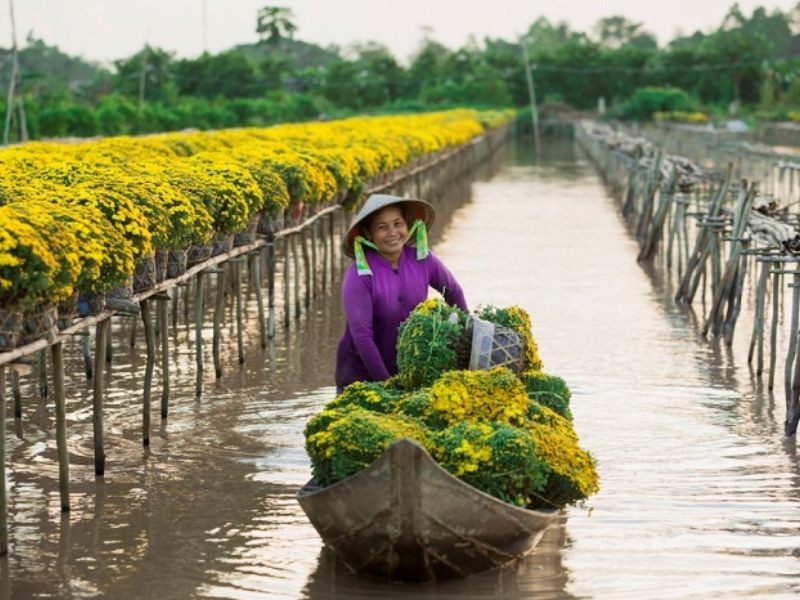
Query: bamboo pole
(149, 339)
(297, 275)
(793, 393)
(162, 310)
(793, 341)
(219, 310)
(198, 333)
(42, 371)
(57, 356)
(271, 288)
(287, 307)
(101, 336)
(262, 322)
(773, 337)
(109, 347)
(314, 259)
(306, 268)
(3, 498)
(237, 283)
(757, 339)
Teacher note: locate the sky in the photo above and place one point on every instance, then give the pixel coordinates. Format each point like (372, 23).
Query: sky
(104, 30)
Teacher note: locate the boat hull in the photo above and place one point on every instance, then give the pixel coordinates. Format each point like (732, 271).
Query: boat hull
(405, 518)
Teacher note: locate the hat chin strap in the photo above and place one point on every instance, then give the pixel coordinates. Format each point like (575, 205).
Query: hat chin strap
(421, 243)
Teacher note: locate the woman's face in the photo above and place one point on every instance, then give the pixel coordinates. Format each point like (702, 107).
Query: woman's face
(388, 230)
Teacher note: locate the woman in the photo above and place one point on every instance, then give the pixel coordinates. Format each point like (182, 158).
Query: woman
(384, 284)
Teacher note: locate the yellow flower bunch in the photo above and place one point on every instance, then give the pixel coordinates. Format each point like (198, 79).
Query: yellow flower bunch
(39, 257)
(493, 395)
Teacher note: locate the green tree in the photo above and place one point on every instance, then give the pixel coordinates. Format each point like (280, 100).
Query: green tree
(274, 23)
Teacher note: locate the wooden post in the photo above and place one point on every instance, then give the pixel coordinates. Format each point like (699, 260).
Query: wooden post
(17, 393)
(57, 355)
(793, 340)
(101, 335)
(87, 354)
(757, 340)
(3, 499)
(297, 275)
(325, 253)
(198, 333)
(42, 365)
(162, 310)
(175, 295)
(314, 257)
(237, 283)
(149, 339)
(219, 309)
(271, 287)
(773, 336)
(306, 267)
(262, 322)
(793, 398)
(287, 306)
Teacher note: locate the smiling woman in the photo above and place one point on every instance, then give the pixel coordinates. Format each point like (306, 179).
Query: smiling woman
(387, 280)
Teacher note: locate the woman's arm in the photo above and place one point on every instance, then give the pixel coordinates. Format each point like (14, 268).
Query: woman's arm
(442, 280)
(357, 300)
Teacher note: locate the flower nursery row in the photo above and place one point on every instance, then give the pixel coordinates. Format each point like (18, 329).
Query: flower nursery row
(82, 217)
(507, 432)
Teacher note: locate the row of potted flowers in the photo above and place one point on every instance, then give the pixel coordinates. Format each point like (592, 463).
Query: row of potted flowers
(121, 213)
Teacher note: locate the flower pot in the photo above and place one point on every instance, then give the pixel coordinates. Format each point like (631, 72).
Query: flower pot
(10, 328)
(90, 304)
(161, 257)
(67, 311)
(248, 235)
(198, 253)
(221, 244)
(144, 276)
(177, 261)
(39, 322)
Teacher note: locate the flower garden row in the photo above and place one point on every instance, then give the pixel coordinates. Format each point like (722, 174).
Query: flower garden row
(83, 217)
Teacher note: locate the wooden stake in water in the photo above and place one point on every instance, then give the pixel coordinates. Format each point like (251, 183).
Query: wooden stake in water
(306, 267)
(271, 287)
(237, 284)
(57, 356)
(109, 347)
(198, 333)
(162, 310)
(296, 268)
(757, 339)
(17, 393)
(219, 309)
(255, 259)
(3, 499)
(773, 336)
(287, 307)
(792, 379)
(314, 265)
(149, 339)
(42, 364)
(101, 337)
(133, 333)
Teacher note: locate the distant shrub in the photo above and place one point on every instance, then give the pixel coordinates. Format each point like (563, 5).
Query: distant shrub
(648, 100)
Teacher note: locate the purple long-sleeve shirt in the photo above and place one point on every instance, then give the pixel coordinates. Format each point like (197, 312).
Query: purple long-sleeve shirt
(375, 306)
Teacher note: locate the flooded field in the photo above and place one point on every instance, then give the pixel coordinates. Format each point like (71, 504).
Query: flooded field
(700, 494)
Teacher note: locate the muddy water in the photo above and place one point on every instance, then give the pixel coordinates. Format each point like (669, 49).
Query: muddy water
(700, 495)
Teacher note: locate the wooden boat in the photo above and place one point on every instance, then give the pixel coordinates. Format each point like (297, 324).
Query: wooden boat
(405, 518)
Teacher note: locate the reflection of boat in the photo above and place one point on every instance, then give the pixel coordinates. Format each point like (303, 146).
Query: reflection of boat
(404, 517)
